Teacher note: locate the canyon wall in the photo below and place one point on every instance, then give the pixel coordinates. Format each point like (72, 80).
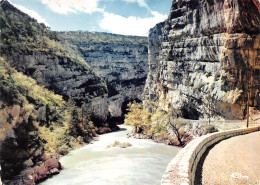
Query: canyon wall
(204, 59)
(59, 74)
(122, 61)
(35, 120)
(36, 125)
(104, 70)
(34, 50)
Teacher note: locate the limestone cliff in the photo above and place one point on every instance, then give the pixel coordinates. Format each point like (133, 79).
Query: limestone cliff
(36, 51)
(205, 58)
(26, 108)
(122, 61)
(34, 120)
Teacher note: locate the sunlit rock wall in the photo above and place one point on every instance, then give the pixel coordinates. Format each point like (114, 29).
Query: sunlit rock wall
(205, 58)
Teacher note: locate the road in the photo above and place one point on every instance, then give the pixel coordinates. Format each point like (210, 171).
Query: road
(235, 161)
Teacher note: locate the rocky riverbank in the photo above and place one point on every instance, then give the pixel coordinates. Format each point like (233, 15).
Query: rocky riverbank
(44, 167)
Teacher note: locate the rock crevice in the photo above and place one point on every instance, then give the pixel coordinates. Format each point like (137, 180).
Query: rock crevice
(206, 51)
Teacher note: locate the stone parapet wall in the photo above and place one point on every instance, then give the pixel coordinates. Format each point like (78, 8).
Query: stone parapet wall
(181, 170)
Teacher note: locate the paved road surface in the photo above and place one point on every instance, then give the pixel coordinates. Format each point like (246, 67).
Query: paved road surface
(235, 161)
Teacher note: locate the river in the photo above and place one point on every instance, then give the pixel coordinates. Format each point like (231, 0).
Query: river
(143, 163)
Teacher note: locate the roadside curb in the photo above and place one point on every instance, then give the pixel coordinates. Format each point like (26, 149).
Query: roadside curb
(181, 170)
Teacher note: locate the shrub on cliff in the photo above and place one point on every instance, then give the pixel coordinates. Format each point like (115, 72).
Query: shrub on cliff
(21, 34)
(158, 125)
(55, 119)
(81, 124)
(158, 128)
(8, 90)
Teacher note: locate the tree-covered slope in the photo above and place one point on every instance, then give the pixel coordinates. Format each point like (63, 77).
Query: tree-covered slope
(34, 50)
(48, 98)
(34, 122)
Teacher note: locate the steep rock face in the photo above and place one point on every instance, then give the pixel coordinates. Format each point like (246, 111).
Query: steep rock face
(42, 54)
(205, 58)
(124, 68)
(63, 77)
(122, 61)
(22, 155)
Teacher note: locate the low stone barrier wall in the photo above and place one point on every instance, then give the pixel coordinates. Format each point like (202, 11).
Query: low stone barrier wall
(181, 170)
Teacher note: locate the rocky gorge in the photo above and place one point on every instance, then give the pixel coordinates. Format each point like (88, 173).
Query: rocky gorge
(42, 54)
(33, 118)
(122, 61)
(204, 59)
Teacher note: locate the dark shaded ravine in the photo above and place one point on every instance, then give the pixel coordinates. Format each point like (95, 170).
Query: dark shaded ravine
(142, 163)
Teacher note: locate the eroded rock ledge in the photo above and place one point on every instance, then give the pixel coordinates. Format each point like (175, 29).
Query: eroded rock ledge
(122, 61)
(207, 49)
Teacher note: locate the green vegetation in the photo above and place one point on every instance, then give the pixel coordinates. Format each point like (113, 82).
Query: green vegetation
(23, 39)
(160, 125)
(17, 88)
(138, 117)
(84, 37)
(61, 125)
(21, 34)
